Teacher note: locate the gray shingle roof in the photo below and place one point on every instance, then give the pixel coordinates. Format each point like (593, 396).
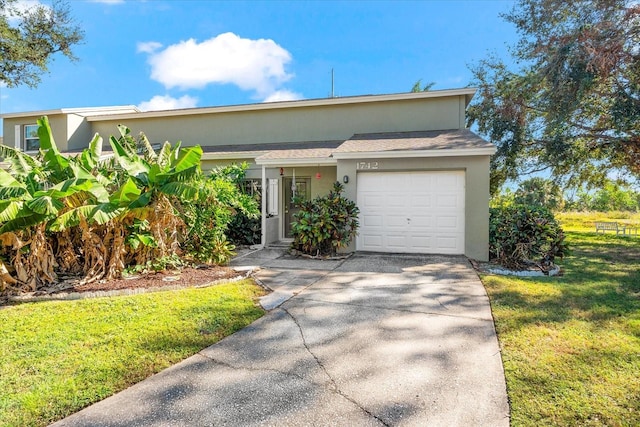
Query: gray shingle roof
(456, 139)
(287, 150)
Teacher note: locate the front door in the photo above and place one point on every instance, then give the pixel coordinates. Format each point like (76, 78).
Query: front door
(302, 189)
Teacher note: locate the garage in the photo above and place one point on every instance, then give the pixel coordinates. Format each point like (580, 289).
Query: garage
(412, 212)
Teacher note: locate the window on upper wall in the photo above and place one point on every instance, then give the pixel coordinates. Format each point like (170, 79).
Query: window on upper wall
(31, 138)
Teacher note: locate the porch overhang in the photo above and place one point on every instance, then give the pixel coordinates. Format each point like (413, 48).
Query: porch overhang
(327, 161)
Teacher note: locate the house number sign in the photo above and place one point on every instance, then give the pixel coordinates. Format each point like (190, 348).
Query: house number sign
(367, 165)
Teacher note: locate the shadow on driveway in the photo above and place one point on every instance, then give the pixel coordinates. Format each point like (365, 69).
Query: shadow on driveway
(371, 340)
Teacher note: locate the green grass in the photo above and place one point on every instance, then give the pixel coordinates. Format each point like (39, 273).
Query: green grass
(58, 357)
(585, 221)
(571, 344)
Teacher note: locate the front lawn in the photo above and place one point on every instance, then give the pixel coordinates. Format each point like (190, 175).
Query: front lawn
(571, 344)
(58, 357)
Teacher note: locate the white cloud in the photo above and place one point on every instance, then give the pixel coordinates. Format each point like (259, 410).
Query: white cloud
(283, 95)
(255, 65)
(148, 47)
(167, 102)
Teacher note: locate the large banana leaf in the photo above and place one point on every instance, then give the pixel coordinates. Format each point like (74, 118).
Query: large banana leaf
(151, 153)
(185, 167)
(132, 164)
(180, 189)
(71, 186)
(188, 158)
(23, 222)
(80, 171)
(53, 159)
(99, 214)
(91, 156)
(164, 156)
(11, 188)
(126, 194)
(12, 209)
(45, 205)
(143, 200)
(21, 164)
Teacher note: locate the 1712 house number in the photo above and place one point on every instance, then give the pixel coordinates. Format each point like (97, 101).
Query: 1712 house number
(367, 165)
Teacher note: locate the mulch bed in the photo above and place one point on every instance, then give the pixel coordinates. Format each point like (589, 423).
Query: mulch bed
(185, 277)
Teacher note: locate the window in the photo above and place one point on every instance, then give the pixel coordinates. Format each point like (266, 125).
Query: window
(31, 138)
(252, 187)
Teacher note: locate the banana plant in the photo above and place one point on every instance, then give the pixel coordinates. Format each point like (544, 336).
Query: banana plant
(170, 172)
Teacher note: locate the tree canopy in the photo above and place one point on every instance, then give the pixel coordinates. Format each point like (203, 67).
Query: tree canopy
(573, 106)
(30, 37)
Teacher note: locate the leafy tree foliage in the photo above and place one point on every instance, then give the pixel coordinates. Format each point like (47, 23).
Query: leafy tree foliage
(419, 87)
(611, 197)
(574, 105)
(29, 38)
(539, 192)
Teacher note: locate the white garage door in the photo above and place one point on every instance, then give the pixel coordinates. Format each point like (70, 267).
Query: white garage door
(411, 212)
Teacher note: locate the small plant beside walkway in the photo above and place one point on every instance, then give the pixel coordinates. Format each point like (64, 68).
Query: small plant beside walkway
(570, 344)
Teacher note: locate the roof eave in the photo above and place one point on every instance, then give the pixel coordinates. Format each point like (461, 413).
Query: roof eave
(79, 111)
(467, 92)
(231, 156)
(325, 161)
(486, 151)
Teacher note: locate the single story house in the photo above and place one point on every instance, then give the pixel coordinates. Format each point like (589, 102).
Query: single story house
(419, 177)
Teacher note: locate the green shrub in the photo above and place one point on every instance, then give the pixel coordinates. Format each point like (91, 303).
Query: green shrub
(209, 216)
(245, 230)
(522, 236)
(325, 224)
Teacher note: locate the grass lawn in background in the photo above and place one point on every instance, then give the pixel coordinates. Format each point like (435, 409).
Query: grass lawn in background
(571, 344)
(58, 357)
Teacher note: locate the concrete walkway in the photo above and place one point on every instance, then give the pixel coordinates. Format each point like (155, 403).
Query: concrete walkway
(371, 340)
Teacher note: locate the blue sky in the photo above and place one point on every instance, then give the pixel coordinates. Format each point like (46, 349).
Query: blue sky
(175, 54)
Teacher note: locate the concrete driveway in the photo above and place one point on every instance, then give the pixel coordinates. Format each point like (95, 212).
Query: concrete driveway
(371, 340)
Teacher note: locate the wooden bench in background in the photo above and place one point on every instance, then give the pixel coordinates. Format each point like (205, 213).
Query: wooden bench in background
(609, 226)
(613, 226)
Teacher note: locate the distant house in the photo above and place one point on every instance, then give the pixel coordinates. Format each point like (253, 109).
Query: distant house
(419, 177)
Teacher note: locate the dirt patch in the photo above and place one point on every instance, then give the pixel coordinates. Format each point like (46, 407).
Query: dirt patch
(185, 277)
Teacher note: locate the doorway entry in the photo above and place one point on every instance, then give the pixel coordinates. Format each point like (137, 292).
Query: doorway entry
(302, 189)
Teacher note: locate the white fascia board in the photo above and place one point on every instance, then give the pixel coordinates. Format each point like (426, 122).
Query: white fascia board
(467, 92)
(118, 109)
(297, 162)
(415, 153)
(231, 156)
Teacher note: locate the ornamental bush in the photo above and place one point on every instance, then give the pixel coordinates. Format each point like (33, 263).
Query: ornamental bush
(209, 216)
(326, 224)
(522, 236)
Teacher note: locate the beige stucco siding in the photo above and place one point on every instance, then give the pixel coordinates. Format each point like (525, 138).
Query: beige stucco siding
(57, 122)
(315, 123)
(476, 191)
(79, 133)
